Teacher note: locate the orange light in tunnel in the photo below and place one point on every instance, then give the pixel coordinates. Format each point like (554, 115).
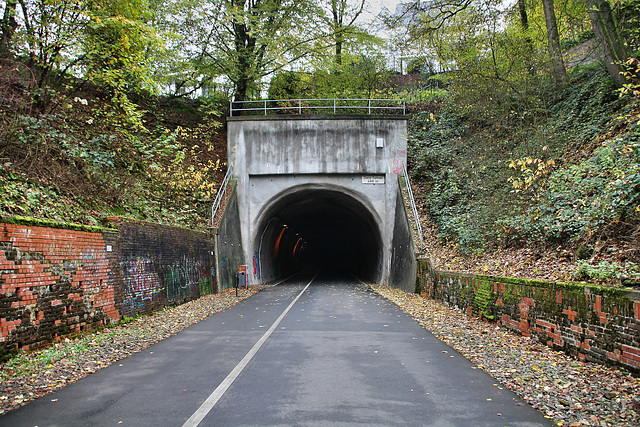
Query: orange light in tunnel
(276, 248)
(296, 246)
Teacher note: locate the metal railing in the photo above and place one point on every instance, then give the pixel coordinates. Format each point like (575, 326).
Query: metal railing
(311, 106)
(221, 192)
(413, 203)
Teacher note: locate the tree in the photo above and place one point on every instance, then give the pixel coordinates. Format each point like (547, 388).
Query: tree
(361, 75)
(118, 48)
(433, 14)
(342, 24)
(558, 71)
(42, 37)
(610, 42)
(242, 41)
(8, 27)
(627, 14)
(489, 59)
(524, 18)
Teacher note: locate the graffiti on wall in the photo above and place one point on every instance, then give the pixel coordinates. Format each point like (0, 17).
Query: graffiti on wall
(397, 156)
(396, 166)
(206, 285)
(141, 282)
(255, 263)
(183, 278)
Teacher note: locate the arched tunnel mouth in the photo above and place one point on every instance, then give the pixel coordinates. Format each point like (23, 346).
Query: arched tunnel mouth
(324, 230)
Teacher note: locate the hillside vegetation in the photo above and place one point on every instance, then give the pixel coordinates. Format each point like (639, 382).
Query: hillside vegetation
(84, 160)
(554, 196)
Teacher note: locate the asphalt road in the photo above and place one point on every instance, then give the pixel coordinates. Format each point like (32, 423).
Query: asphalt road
(298, 354)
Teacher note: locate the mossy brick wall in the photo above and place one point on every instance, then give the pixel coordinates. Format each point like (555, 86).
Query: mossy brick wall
(55, 282)
(52, 282)
(593, 323)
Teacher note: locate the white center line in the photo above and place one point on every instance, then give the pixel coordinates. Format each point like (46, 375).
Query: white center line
(213, 398)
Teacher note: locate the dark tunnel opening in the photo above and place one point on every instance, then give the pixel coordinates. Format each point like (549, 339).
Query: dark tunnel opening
(325, 230)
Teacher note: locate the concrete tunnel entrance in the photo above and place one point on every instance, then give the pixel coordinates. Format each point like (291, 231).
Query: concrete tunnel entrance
(324, 229)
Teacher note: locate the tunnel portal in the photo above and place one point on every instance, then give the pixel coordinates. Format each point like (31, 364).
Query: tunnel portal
(318, 191)
(325, 230)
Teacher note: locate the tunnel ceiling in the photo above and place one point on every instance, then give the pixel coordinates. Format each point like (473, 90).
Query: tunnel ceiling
(339, 234)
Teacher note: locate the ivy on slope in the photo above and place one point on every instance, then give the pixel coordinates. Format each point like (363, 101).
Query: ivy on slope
(84, 162)
(569, 180)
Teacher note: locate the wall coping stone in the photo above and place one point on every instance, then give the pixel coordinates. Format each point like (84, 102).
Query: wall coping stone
(37, 222)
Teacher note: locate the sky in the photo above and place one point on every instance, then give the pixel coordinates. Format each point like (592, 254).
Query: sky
(369, 18)
(374, 7)
(377, 5)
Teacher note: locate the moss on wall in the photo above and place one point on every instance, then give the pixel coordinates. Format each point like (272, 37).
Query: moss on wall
(582, 319)
(37, 222)
(485, 300)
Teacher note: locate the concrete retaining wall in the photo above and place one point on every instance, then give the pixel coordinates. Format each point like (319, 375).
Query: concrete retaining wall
(229, 242)
(55, 281)
(593, 323)
(283, 145)
(403, 265)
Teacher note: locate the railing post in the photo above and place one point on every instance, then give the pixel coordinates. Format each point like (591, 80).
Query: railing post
(369, 106)
(265, 107)
(412, 201)
(220, 195)
(334, 106)
(299, 106)
(230, 108)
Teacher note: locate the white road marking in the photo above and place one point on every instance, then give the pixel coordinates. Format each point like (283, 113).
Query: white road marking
(213, 398)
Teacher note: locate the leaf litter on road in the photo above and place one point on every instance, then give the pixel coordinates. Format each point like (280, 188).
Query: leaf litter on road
(31, 375)
(565, 390)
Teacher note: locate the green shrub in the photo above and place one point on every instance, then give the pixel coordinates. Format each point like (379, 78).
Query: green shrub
(610, 272)
(585, 199)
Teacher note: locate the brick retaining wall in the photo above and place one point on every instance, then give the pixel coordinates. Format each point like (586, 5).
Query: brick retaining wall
(161, 266)
(55, 282)
(593, 323)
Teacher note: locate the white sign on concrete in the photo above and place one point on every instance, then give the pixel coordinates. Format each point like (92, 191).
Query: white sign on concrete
(373, 179)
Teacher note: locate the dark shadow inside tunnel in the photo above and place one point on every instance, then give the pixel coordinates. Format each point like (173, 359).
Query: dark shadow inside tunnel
(325, 230)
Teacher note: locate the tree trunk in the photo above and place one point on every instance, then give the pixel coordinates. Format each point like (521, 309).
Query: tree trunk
(338, 56)
(8, 27)
(245, 45)
(604, 27)
(524, 20)
(558, 71)
(337, 10)
(242, 86)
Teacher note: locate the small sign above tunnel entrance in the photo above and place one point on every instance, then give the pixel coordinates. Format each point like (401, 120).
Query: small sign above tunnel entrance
(373, 179)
